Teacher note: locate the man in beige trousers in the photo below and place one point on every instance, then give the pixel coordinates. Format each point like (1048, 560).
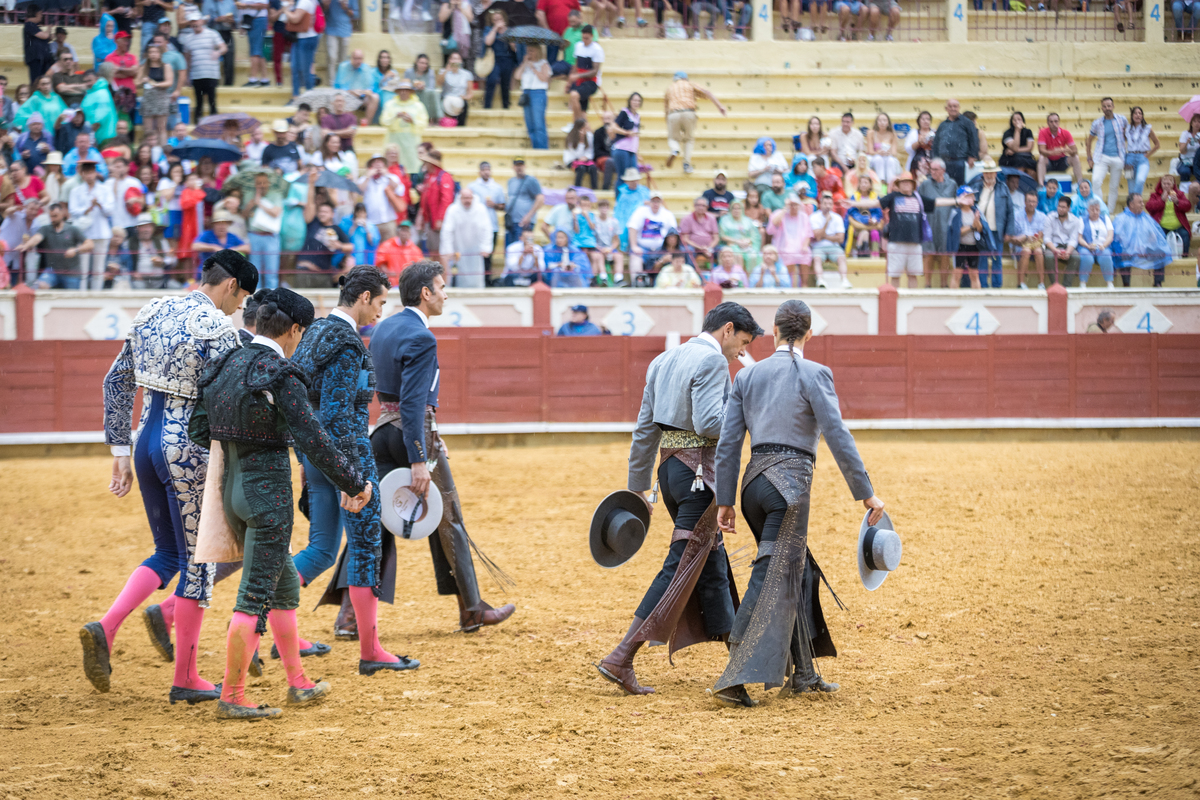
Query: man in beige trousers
(679, 105)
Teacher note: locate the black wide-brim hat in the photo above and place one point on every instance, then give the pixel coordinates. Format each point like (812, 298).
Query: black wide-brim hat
(618, 528)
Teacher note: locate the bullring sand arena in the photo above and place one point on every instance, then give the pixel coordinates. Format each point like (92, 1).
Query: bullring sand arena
(1039, 640)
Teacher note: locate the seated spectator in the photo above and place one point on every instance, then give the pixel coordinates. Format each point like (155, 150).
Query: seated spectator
(1169, 207)
(882, 146)
(322, 240)
(1083, 198)
(332, 157)
(67, 80)
(1105, 321)
(567, 266)
(457, 85)
(791, 233)
(799, 176)
(1048, 197)
(83, 149)
(394, 254)
(677, 275)
(35, 143)
(562, 216)
(257, 144)
(773, 196)
(718, 198)
(671, 245)
(845, 143)
(524, 261)
(363, 235)
(578, 154)
(728, 273)
(742, 235)
(584, 78)
(281, 154)
(828, 232)
(361, 80)
(579, 324)
(608, 245)
(583, 235)
(829, 180)
(698, 231)
(340, 123)
(771, 273)
(647, 228)
(150, 260)
(1141, 242)
(218, 237)
(766, 162)
(1056, 151)
(875, 11)
(759, 214)
(1189, 147)
(1095, 244)
(964, 238)
(424, 87)
(1017, 143)
(813, 142)
(919, 145)
(866, 224)
(1027, 241)
(1125, 7)
(862, 168)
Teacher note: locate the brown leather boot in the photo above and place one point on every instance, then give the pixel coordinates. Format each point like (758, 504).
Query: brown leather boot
(345, 627)
(471, 620)
(617, 666)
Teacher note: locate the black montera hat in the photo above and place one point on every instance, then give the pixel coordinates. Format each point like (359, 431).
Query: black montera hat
(236, 265)
(294, 305)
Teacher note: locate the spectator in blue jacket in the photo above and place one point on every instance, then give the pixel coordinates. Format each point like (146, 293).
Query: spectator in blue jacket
(566, 265)
(361, 80)
(362, 234)
(579, 324)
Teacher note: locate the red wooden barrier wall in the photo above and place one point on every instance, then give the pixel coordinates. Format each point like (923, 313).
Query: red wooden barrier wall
(526, 375)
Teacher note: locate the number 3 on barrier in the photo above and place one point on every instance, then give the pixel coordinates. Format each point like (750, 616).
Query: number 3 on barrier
(958, 12)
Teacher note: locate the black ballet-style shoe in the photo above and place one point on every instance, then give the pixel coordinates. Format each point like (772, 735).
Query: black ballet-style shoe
(317, 649)
(735, 696)
(299, 697)
(256, 665)
(193, 696)
(234, 711)
(96, 665)
(160, 634)
(371, 667)
(819, 685)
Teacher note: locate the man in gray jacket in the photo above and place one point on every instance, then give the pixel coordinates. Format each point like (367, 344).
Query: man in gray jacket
(681, 415)
(786, 404)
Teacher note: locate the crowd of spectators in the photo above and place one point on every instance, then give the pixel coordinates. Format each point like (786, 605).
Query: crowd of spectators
(91, 201)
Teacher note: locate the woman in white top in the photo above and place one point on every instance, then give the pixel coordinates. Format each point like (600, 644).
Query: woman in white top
(534, 75)
(765, 161)
(882, 144)
(454, 81)
(1140, 143)
(1095, 244)
(579, 154)
(919, 144)
(332, 157)
(1189, 143)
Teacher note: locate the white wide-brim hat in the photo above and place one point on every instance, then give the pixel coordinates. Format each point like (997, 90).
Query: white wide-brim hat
(879, 551)
(452, 105)
(404, 513)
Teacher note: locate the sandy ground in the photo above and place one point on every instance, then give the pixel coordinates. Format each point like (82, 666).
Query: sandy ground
(1038, 641)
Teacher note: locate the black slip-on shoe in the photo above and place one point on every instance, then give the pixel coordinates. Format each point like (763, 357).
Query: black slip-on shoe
(193, 696)
(160, 634)
(299, 697)
(96, 665)
(256, 665)
(234, 711)
(317, 649)
(371, 667)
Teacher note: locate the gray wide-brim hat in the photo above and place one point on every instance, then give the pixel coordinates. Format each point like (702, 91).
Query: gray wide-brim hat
(879, 551)
(618, 528)
(405, 514)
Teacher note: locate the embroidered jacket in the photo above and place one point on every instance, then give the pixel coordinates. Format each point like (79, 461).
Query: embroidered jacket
(168, 344)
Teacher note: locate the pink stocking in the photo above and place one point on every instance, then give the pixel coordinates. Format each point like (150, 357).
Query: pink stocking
(304, 643)
(168, 611)
(239, 650)
(141, 584)
(287, 639)
(366, 609)
(189, 616)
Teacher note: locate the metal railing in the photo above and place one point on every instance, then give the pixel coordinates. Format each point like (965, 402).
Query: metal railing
(1052, 21)
(914, 21)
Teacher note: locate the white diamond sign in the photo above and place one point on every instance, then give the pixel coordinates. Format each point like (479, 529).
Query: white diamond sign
(972, 319)
(628, 319)
(455, 314)
(818, 322)
(110, 322)
(1143, 318)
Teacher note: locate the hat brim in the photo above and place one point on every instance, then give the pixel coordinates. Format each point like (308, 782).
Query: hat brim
(871, 579)
(624, 500)
(398, 502)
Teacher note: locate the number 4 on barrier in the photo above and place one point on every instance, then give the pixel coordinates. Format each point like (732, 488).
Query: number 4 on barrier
(958, 11)
(1154, 15)
(762, 12)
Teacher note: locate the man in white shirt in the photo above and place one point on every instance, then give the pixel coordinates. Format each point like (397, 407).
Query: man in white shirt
(1061, 238)
(524, 261)
(829, 231)
(584, 78)
(91, 205)
(381, 195)
(1030, 228)
(562, 216)
(491, 194)
(846, 142)
(647, 228)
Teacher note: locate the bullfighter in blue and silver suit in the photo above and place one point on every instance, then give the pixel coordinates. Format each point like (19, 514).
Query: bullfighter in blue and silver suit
(168, 345)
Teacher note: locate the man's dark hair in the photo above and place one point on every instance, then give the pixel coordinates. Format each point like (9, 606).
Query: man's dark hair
(332, 207)
(416, 277)
(1062, 198)
(60, 206)
(271, 321)
(743, 320)
(1052, 180)
(304, 107)
(969, 115)
(250, 314)
(1109, 99)
(588, 29)
(63, 31)
(363, 278)
(818, 161)
(122, 160)
(848, 114)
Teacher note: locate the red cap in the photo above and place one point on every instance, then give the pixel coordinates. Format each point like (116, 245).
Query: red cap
(122, 35)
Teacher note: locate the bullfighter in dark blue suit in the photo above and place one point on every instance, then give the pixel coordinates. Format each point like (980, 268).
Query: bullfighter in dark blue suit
(343, 381)
(406, 368)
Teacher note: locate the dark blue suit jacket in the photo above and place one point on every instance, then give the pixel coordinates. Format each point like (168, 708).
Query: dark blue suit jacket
(406, 366)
